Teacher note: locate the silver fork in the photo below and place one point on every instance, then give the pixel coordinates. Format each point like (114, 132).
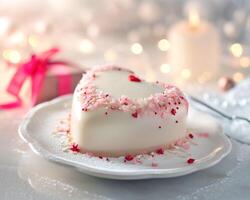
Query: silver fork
(229, 117)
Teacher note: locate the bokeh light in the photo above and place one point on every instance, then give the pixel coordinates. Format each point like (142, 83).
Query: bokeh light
(136, 48)
(164, 45)
(236, 49)
(165, 68)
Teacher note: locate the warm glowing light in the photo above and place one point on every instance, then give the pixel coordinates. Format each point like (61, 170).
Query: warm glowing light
(110, 55)
(12, 56)
(244, 62)
(33, 40)
(17, 38)
(238, 77)
(136, 48)
(236, 49)
(194, 18)
(4, 25)
(164, 45)
(165, 68)
(87, 46)
(186, 73)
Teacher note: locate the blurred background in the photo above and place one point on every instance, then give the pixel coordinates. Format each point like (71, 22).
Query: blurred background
(200, 45)
(169, 40)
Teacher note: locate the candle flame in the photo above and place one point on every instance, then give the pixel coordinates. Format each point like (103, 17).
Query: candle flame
(194, 18)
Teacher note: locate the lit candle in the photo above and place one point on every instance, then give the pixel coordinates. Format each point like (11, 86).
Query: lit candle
(195, 47)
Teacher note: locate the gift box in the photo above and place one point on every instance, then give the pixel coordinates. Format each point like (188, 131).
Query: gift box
(40, 79)
(56, 79)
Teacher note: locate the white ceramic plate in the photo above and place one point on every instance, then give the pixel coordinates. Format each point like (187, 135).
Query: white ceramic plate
(36, 129)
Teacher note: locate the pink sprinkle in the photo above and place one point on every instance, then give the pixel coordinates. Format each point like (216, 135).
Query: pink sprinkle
(185, 146)
(154, 164)
(62, 129)
(179, 142)
(138, 161)
(90, 98)
(90, 154)
(202, 135)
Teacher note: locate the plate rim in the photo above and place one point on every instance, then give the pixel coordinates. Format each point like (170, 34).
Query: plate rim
(135, 175)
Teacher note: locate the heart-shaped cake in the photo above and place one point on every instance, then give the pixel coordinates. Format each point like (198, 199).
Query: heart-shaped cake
(116, 113)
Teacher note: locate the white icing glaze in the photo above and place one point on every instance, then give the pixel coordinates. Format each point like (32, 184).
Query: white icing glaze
(118, 85)
(114, 132)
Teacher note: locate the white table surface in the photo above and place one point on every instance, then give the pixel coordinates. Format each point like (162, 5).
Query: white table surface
(25, 176)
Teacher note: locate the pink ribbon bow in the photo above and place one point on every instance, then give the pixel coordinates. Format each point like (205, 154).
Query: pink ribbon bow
(36, 69)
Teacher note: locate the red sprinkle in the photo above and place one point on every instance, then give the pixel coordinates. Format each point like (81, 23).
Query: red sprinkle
(84, 109)
(133, 78)
(190, 161)
(75, 148)
(160, 151)
(159, 126)
(128, 158)
(154, 164)
(100, 157)
(173, 111)
(135, 114)
(191, 135)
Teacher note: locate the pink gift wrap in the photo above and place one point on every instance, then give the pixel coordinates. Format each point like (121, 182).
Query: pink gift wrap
(51, 85)
(48, 79)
